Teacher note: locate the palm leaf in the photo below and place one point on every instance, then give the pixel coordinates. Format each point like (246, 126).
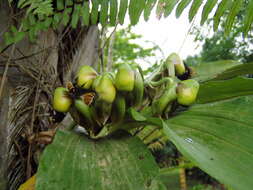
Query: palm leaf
(194, 8)
(249, 17)
(207, 9)
(225, 9)
(236, 6)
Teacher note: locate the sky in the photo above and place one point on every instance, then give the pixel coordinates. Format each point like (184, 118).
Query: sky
(170, 34)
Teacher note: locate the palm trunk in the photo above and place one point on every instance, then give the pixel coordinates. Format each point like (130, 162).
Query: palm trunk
(4, 102)
(35, 69)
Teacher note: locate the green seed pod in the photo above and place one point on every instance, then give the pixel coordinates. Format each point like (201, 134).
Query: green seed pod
(187, 92)
(105, 88)
(168, 96)
(138, 91)
(124, 79)
(61, 100)
(85, 111)
(86, 76)
(178, 63)
(118, 109)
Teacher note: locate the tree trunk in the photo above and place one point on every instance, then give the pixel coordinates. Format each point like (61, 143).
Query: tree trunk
(4, 110)
(35, 69)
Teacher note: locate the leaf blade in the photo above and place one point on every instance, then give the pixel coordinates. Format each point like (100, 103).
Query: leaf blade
(85, 163)
(223, 6)
(194, 9)
(181, 6)
(213, 146)
(221, 90)
(207, 9)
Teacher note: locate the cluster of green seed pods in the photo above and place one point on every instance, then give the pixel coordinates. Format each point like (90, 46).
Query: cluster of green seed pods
(96, 100)
(184, 92)
(101, 98)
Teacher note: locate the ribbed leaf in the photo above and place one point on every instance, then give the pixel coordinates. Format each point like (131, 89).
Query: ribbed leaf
(208, 71)
(241, 69)
(148, 8)
(104, 12)
(113, 12)
(248, 17)
(85, 13)
(122, 11)
(181, 6)
(207, 9)
(135, 10)
(221, 90)
(170, 5)
(194, 8)
(73, 162)
(217, 137)
(236, 6)
(94, 11)
(223, 6)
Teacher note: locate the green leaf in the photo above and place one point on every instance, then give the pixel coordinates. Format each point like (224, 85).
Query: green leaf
(75, 15)
(19, 36)
(65, 16)
(241, 69)
(208, 71)
(148, 8)
(56, 20)
(181, 6)
(223, 6)
(135, 10)
(207, 9)
(47, 22)
(8, 39)
(221, 90)
(160, 8)
(122, 11)
(94, 12)
(136, 115)
(32, 19)
(248, 20)
(85, 13)
(113, 12)
(13, 29)
(32, 34)
(217, 137)
(73, 162)
(194, 8)
(104, 12)
(60, 4)
(236, 6)
(170, 5)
